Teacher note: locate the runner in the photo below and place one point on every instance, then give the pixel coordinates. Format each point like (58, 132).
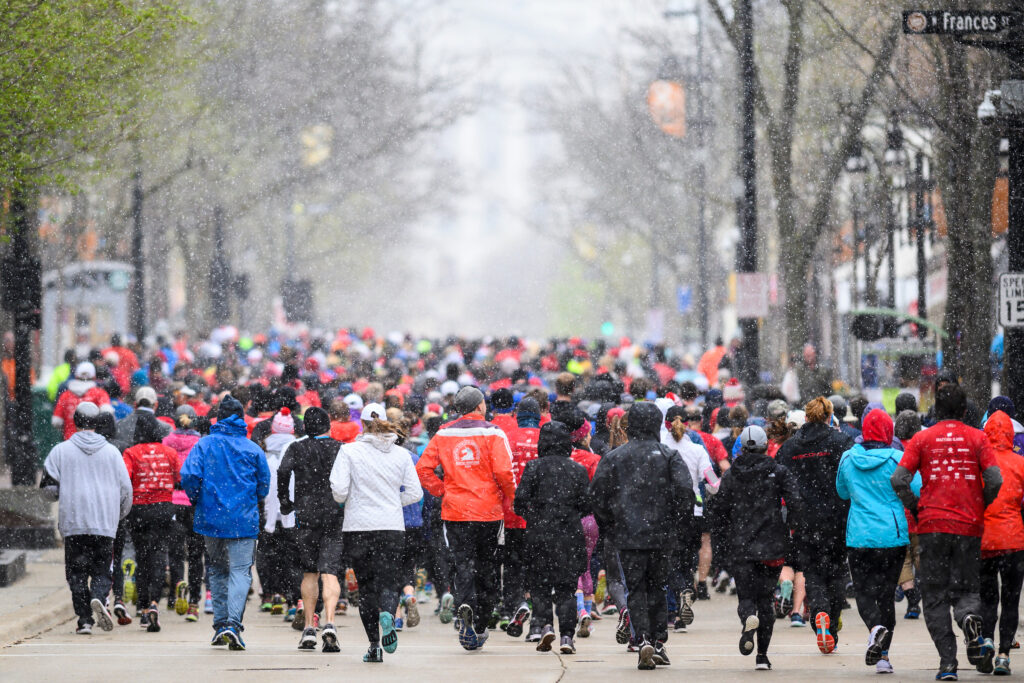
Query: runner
(523, 441)
(186, 544)
(374, 478)
(276, 551)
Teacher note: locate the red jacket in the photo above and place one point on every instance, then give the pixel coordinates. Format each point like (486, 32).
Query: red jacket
(507, 422)
(588, 459)
(477, 464)
(523, 441)
(1004, 529)
(950, 457)
(154, 470)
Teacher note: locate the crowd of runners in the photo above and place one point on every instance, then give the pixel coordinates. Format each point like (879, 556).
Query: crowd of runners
(533, 488)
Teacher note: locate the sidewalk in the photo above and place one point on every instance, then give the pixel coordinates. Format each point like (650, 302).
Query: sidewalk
(38, 601)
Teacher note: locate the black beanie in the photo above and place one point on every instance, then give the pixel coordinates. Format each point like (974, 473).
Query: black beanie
(229, 406)
(316, 421)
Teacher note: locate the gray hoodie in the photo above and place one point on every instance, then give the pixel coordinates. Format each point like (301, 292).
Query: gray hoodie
(95, 491)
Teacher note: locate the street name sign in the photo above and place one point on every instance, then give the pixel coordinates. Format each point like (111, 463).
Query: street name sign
(950, 22)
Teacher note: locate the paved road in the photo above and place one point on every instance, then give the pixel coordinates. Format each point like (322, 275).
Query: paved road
(180, 652)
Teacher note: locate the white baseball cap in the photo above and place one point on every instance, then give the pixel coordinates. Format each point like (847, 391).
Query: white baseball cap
(374, 411)
(354, 401)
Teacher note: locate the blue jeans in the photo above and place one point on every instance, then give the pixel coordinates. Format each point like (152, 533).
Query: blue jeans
(229, 574)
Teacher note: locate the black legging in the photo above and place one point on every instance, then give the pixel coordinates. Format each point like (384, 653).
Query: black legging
(149, 525)
(1008, 570)
(876, 573)
(186, 545)
(755, 588)
(823, 561)
(376, 558)
(117, 576)
(683, 562)
(563, 595)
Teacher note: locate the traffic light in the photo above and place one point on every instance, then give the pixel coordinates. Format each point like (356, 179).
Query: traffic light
(297, 299)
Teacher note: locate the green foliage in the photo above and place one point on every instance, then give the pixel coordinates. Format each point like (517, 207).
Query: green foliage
(71, 74)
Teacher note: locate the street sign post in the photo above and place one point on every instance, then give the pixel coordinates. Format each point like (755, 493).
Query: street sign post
(948, 22)
(1011, 299)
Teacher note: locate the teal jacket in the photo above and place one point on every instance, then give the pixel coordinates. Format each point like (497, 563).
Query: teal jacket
(876, 518)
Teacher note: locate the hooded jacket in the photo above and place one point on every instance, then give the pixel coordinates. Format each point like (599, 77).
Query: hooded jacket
(812, 456)
(552, 498)
(876, 518)
(225, 476)
(78, 392)
(125, 438)
(310, 460)
(182, 441)
(94, 489)
(1004, 528)
(642, 494)
(748, 508)
(375, 479)
(523, 442)
(276, 446)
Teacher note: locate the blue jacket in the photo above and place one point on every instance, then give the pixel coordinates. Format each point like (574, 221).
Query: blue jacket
(876, 518)
(225, 477)
(413, 514)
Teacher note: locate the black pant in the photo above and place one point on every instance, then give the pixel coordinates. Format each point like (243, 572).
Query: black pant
(186, 545)
(950, 578)
(563, 595)
(684, 561)
(277, 563)
(376, 559)
(117, 575)
(1008, 570)
(755, 588)
(823, 561)
(513, 570)
(646, 573)
(474, 547)
(876, 572)
(87, 570)
(413, 554)
(439, 564)
(150, 525)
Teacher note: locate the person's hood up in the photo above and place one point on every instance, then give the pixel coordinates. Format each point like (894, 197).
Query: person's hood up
(644, 422)
(813, 433)
(878, 427)
(750, 466)
(382, 442)
(868, 459)
(554, 439)
(999, 430)
(78, 387)
(88, 442)
(232, 425)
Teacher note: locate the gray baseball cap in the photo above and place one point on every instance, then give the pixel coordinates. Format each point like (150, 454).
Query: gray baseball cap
(754, 439)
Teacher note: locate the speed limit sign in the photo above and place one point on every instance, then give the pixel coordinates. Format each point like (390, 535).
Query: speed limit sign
(1011, 299)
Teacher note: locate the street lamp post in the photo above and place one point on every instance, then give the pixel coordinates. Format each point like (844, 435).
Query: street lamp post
(920, 222)
(746, 250)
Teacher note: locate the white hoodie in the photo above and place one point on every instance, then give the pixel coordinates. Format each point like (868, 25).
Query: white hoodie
(95, 491)
(375, 479)
(277, 444)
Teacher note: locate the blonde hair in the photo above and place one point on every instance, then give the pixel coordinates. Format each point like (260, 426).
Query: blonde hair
(378, 426)
(818, 410)
(617, 431)
(678, 428)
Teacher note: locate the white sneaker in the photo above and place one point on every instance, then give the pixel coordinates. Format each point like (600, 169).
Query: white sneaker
(102, 616)
(84, 630)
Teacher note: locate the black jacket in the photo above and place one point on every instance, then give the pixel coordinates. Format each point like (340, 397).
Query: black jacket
(311, 461)
(552, 498)
(748, 508)
(812, 455)
(642, 494)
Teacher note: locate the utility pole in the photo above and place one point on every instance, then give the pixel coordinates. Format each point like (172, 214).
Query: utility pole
(746, 250)
(920, 223)
(138, 291)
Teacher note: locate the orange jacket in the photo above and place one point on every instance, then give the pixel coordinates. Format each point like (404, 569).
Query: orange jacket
(477, 463)
(1004, 529)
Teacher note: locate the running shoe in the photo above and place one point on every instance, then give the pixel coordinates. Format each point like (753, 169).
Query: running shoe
(219, 639)
(535, 634)
(661, 655)
(947, 673)
(823, 632)
(609, 608)
(130, 592)
(515, 625)
(280, 605)
(646, 658)
(1001, 666)
(721, 582)
(342, 608)
(679, 626)
(193, 613)
(101, 615)
(1015, 645)
(299, 622)
(374, 655)
(547, 637)
(884, 667)
(797, 620)
(623, 630)
(121, 614)
(702, 590)
(412, 612)
(234, 639)
(447, 608)
(762, 663)
(492, 621)
(584, 624)
(289, 616)
(467, 635)
(595, 615)
(481, 638)
(308, 639)
(84, 630)
(913, 611)
(208, 603)
(329, 637)
(143, 620)
(747, 636)
(876, 639)
(266, 606)
(154, 619)
(899, 594)
(973, 639)
(388, 637)
(428, 589)
(399, 624)
(567, 647)
(988, 651)
(181, 598)
(504, 622)
(686, 607)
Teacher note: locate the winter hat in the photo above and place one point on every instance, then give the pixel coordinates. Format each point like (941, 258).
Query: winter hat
(450, 388)
(776, 409)
(86, 415)
(283, 422)
(148, 429)
(374, 411)
(316, 421)
(908, 423)
(554, 439)
(354, 402)
(581, 433)
(467, 400)
(1003, 403)
(501, 400)
(753, 439)
(229, 406)
(878, 427)
(906, 401)
(285, 397)
(85, 370)
(528, 407)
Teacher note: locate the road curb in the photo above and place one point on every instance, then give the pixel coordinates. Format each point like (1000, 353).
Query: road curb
(48, 612)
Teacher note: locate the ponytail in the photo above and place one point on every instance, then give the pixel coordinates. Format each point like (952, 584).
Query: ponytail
(678, 428)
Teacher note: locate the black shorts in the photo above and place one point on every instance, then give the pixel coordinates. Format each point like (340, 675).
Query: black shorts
(320, 550)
